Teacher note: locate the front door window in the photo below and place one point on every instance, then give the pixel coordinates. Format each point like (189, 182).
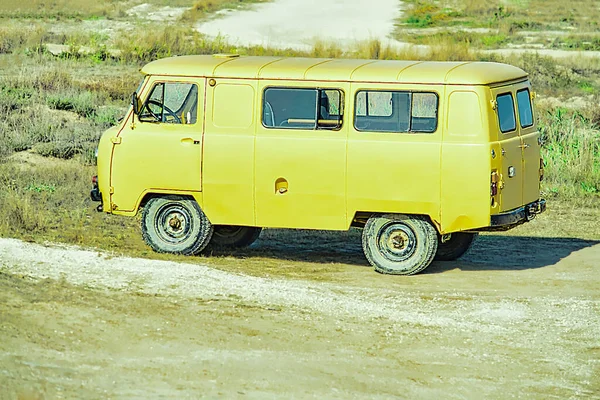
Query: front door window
(171, 103)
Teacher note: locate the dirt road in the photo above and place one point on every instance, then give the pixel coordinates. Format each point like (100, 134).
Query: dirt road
(522, 323)
(298, 24)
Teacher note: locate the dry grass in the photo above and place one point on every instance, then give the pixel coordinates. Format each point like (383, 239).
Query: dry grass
(531, 22)
(203, 8)
(506, 15)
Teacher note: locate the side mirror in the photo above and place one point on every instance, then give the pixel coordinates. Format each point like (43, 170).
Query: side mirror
(135, 102)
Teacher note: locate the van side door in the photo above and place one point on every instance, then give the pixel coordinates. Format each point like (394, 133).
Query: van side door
(394, 149)
(300, 176)
(161, 150)
(228, 159)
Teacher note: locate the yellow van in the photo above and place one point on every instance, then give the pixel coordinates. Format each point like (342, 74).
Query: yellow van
(422, 155)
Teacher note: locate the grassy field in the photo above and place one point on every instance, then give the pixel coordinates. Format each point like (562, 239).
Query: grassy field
(53, 109)
(556, 24)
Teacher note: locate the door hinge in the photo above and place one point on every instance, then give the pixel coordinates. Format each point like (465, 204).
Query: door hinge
(111, 190)
(116, 140)
(494, 104)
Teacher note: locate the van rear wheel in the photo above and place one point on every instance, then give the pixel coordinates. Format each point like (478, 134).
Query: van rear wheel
(399, 244)
(455, 247)
(234, 236)
(175, 224)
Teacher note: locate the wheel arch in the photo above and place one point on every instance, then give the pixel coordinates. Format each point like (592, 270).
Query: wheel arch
(361, 217)
(147, 195)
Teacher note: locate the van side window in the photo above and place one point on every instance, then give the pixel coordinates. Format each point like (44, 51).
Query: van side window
(506, 113)
(297, 108)
(171, 103)
(525, 109)
(395, 111)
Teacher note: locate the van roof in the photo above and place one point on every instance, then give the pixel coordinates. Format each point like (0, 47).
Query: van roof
(329, 69)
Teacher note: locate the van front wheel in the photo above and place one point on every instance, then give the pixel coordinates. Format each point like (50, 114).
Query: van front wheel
(174, 224)
(234, 236)
(455, 247)
(399, 244)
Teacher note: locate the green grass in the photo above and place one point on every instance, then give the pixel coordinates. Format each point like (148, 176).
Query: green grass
(506, 20)
(509, 15)
(571, 151)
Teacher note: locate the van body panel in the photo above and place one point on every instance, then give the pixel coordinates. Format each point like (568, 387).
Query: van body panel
(484, 73)
(156, 156)
(228, 161)
(519, 152)
(531, 166)
(248, 67)
(389, 71)
(458, 168)
(334, 70)
(465, 168)
(390, 171)
(103, 162)
(310, 167)
(531, 149)
(427, 72)
(465, 187)
(510, 159)
(381, 71)
(290, 68)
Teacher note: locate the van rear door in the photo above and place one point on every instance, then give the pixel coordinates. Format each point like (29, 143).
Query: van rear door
(520, 149)
(531, 145)
(511, 194)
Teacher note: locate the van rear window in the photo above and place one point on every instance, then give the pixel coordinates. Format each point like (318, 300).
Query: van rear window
(506, 113)
(300, 108)
(395, 111)
(525, 110)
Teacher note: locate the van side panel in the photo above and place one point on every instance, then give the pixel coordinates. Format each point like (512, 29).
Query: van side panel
(395, 172)
(465, 188)
(300, 179)
(156, 156)
(228, 153)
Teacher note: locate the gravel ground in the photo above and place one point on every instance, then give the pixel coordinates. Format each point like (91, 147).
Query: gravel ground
(526, 333)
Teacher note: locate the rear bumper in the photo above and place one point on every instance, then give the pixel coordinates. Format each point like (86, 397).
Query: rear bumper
(96, 196)
(518, 216)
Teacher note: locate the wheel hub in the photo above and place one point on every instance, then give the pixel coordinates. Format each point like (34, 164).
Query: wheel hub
(397, 242)
(173, 223)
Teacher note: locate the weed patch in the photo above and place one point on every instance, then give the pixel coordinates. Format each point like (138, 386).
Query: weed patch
(571, 152)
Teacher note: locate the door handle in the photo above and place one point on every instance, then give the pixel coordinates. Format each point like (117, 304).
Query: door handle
(523, 146)
(188, 140)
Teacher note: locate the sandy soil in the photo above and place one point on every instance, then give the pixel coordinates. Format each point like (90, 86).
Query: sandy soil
(299, 24)
(517, 317)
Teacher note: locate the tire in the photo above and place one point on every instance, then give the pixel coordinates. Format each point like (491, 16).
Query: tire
(174, 224)
(399, 244)
(228, 236)
(455, 247)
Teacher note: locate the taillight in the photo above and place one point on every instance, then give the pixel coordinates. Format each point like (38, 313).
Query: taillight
(494, 184)
(541, 169)
(95, 180)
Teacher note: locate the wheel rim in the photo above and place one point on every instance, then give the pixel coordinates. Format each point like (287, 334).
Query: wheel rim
(397, 242)
(174, 223)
